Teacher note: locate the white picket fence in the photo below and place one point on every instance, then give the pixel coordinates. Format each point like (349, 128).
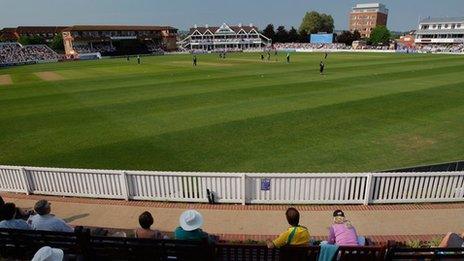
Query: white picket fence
(243, 188)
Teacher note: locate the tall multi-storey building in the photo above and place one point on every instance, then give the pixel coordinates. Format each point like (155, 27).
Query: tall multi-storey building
(365, 17)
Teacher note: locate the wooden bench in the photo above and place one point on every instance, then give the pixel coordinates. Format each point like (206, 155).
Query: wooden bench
(401, 253)
(22, 244)
(240, 252)
(117, 248)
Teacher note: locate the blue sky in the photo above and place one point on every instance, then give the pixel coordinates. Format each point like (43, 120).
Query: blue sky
(404, 14)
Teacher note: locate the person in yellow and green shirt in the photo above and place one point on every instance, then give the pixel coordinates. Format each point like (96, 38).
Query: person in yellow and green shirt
(295, 235)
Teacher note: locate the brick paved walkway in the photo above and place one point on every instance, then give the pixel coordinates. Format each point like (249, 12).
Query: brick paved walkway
(259, 222)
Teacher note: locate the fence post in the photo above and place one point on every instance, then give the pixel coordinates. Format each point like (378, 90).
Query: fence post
(368, 192)
(243, 189)
(25, 180)
(124, 185)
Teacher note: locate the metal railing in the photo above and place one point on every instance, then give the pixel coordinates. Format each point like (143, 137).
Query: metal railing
(243, 188)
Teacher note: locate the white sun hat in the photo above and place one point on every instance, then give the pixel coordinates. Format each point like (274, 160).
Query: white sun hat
(47, 253)
(190, 220)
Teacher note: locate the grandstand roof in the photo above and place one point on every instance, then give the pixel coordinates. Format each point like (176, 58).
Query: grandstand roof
(118, 28)
(39, 29)
(235, 28)
(443, 20)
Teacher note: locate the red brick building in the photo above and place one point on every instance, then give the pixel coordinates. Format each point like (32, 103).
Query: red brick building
(365, 17)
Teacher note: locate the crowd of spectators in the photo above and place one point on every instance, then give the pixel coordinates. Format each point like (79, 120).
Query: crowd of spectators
(14, 53)
(154, 48)
(311, 46)
(441, 48)
(340, 233)
(95, 48)
(371, 47)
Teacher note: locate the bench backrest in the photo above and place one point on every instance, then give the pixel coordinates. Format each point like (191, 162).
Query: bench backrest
(24, 243)
(239, 252)
(113, 248)
(401, 253)
(368, 253)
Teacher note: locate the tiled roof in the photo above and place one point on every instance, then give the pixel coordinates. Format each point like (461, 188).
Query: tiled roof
(443, 20)
(119, 28)
(235, 28)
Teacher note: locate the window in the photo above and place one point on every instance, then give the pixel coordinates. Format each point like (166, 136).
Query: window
(446, 25)
(458, 26)
(439, 26)
(434, 26)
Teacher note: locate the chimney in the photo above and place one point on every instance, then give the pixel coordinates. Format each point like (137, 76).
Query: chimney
(206, 25)
(195, 26)
(240, 25)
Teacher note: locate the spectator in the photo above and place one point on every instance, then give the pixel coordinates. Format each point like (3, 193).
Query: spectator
(46, 221)
(8, 213)
(47, 253)
(190, 227)
(453, 240)
(341, 232)
(2, 203)
(20, 213)
(146, 221)
(295, 235)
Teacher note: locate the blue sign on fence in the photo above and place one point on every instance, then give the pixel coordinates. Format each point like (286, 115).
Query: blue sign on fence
(265, 184)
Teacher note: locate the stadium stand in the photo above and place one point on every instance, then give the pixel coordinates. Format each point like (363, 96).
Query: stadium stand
(311, 46)
(441, 48)
(15, 53)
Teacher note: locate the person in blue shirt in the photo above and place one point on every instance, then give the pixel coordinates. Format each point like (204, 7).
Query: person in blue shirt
(190, 227)
(8, 213)
(45, 221)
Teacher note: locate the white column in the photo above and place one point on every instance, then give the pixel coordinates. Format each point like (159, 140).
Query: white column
(369, 190)
(25, 181)
(124, 185)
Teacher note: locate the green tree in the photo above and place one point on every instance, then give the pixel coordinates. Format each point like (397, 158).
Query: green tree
(380, 35)
(314, 22)
(281, 35)
(345, 37)
(57, 43)
(348, 37)
(356, 35)
(293, 36)
(311, 23)
(269, 32)
(27, 40)
(303, 37)
(327, 23)
(24, 40)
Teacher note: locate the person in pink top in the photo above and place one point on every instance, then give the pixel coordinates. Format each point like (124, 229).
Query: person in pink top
(341, 232)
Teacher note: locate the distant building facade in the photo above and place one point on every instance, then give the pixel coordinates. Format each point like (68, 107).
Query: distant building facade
(440, 31)
(224, 37)
(45, 32)
(101, 38)
(79, 39)
(365, 17)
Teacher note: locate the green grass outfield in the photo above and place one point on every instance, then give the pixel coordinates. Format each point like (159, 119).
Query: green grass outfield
(369, 112)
